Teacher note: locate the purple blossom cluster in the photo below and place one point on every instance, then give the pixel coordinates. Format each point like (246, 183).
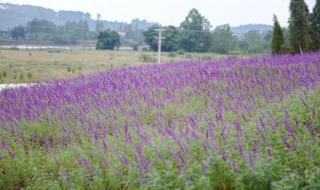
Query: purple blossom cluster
(158, 115)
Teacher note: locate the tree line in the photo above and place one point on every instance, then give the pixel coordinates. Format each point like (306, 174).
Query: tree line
(195, 34)
(43, 30)
(304, 29)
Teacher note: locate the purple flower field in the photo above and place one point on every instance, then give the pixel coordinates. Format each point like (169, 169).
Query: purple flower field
(236, 123)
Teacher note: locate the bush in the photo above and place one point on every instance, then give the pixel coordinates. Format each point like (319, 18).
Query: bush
(172, 55)
(181, 52)
(108, 40)
(29, 75)
(55, 51)
(147, 58)
(256, 48)
(188, 56)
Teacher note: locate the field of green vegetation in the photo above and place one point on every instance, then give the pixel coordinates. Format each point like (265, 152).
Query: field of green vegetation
(28, 66)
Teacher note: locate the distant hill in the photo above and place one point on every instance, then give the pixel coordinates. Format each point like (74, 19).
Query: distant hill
(248, 27)
(12, 15)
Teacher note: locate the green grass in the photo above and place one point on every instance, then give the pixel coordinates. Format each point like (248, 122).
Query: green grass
(27, 66)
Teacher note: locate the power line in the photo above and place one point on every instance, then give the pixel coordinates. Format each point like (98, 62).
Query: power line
(159, 43)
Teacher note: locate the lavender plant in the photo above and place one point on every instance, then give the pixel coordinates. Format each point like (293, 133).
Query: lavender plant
(236, 123)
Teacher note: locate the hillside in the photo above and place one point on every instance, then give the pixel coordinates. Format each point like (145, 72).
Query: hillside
(12, 15)
(249, 27)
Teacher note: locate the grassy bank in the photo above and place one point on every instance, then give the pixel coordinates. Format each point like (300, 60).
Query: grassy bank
(28, 66)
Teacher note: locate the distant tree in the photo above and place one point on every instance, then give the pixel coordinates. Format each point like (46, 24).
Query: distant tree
(41, 26)
(267, 39)
(277, 37)
(257, 47)
(242, 45)
(63, 38)
(150, 37)
(195, 21)
(108, 40)
(195, 35)
(252, 36)
(171, 39)
(299, 26)
(315, 26)
(254, 41)
(74, 26)
(268, 36)
(133, 36)
(18, 32)
(78, 29)
(222, 39)
(286, 37)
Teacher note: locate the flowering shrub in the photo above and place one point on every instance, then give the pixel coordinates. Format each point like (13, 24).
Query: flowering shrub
(236, 123)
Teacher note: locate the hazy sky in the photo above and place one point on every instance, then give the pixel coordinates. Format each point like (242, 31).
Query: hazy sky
(166, 12)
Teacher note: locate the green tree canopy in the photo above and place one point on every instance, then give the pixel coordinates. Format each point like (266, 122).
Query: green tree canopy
(222, 39)
(195, 36)
(171, 39)
(41, 26)
(253, 36)
(78, 29)
(108, 39)
(315, 26)
(277, 37)
(18, 32)
(150, 37)
(299, 26)
(195, 21)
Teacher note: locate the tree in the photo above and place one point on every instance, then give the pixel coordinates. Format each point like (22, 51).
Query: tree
(252, 36)
(41, 26)
(255, 42)
(195, 21)
(133, 35)
(286, 37)
(222, 39)
(150, 37)
(195, 35)
(18, 32)
(277, 37)
(315, 26)
(242, 44)
(79, 29)
(299, 26)
(171, 39)
(108, 40)
(41, 30)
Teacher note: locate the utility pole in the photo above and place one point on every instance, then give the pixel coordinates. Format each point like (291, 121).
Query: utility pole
(159, 43)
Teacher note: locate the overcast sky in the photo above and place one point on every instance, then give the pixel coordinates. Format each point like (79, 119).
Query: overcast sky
(172, 12)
